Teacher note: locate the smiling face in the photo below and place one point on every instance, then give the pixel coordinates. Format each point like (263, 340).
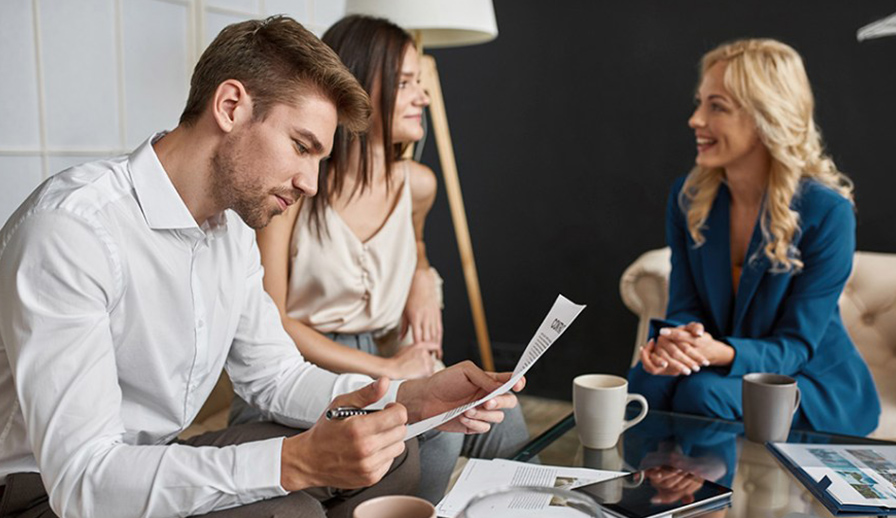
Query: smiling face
(726, 134)
(262, 167)
(410, 100)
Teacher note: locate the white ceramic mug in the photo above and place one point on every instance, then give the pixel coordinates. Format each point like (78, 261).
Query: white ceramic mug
(599, 402)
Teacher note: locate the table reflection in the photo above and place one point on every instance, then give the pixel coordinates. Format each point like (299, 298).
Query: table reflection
(713, 449)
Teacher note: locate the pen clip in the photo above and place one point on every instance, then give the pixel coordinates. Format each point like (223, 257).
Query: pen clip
(342, 412)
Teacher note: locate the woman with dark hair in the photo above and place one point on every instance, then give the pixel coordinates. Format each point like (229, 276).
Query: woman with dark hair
(348, 267)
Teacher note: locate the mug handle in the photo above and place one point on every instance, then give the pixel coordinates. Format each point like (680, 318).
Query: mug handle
(796, 406)
(640, 399)
(636, 481)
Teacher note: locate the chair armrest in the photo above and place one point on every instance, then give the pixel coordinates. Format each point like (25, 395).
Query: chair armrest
(644, 288)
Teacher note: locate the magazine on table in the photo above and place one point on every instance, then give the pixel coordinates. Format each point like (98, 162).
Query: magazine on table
(849, 479)
(481, 475)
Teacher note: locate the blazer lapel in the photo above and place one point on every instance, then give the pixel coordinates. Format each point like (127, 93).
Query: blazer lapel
(755, 266)
(716, 258)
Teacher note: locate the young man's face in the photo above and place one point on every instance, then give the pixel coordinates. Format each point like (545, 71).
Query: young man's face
(262, 167)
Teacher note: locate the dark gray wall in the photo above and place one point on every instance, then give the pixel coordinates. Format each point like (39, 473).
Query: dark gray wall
(569, 128)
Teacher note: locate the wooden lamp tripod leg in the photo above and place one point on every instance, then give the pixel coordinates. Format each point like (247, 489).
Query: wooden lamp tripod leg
(430, 78)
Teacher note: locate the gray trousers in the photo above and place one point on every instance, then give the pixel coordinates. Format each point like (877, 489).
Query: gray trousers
(439, 451)
(25, 497)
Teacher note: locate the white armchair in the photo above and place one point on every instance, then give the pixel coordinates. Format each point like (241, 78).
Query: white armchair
(868, 308)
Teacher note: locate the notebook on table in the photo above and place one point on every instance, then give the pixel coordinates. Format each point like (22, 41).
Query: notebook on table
(849, 479)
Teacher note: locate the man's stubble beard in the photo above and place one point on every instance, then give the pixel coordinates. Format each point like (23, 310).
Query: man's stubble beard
(230, 189)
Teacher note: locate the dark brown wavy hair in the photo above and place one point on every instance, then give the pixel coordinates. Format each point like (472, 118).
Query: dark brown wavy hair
(372, 49)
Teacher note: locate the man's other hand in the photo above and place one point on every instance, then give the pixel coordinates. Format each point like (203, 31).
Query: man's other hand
(456, 386)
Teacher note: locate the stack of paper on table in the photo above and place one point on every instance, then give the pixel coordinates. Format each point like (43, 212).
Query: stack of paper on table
(481, 475)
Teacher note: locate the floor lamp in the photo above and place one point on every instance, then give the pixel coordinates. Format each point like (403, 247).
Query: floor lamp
(445, 23)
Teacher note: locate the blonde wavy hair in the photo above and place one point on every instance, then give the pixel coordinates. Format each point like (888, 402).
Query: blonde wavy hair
(766, 78)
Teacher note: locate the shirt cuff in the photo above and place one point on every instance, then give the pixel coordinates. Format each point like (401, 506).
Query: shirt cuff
(739, 366)
(257, 470)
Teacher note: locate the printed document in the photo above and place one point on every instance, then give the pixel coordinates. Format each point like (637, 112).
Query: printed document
(559, 318)
(859, 474)
(482, 475)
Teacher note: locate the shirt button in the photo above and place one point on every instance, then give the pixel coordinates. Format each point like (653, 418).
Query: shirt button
(200, 324)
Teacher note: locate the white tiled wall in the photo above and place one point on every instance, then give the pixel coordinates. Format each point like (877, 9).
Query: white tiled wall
(93, 78)
(80, 69)
(19, 125)
(157, 66)
(21, 174)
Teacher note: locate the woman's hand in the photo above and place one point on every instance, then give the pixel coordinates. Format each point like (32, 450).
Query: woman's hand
(413, 361)
(422, 314)
(683, 350)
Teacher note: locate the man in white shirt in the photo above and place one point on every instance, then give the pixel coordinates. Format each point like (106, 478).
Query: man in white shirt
(128, 284)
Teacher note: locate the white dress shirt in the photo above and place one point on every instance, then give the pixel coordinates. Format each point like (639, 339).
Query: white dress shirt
(118, 313)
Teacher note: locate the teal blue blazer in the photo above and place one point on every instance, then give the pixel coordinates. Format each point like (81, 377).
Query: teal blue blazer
(779, 322)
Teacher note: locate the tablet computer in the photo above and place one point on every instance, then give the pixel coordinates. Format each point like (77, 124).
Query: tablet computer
(660, 491)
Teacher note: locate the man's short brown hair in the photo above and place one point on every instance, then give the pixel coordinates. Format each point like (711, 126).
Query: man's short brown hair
(275, 59)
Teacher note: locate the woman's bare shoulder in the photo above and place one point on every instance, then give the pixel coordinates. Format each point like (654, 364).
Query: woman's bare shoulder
(422, 180)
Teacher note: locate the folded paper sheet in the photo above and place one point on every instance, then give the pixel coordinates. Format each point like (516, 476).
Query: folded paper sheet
(561, 315)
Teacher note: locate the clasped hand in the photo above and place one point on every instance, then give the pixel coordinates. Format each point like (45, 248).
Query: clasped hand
(414, 361)
(683, 350)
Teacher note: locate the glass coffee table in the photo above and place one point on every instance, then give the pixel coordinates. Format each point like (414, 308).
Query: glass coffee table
(712, 448)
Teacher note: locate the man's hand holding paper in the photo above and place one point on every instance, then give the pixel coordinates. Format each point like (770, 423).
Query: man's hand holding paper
(459, 386)
(472, 411)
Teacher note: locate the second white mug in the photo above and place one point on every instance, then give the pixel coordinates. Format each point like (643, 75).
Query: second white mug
(599, 402)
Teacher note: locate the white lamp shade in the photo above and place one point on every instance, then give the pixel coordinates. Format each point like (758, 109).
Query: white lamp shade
(883, 27)
(442, 23)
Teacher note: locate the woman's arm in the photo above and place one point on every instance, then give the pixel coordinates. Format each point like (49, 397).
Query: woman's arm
(827, 250)
(805, 313)
(273, 244)
(684, 304)
(684, 311)
(423, 314)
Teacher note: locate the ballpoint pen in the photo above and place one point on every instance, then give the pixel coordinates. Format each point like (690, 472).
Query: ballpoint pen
(341, 412)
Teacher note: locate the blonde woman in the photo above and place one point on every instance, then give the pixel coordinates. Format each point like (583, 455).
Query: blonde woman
(762, 233)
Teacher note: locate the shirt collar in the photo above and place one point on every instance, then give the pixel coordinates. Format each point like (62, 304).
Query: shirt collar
(160, 202)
